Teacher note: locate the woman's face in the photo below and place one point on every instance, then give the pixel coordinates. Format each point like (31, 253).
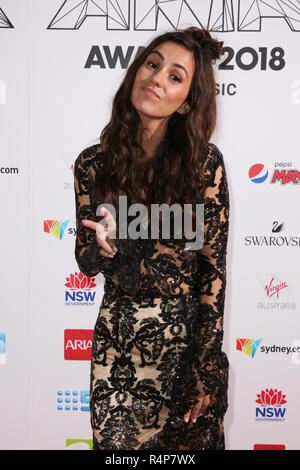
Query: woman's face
(167, 72)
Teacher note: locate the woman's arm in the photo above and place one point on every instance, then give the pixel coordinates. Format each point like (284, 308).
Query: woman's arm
(87, 249)
(211, 362)
(124, 269)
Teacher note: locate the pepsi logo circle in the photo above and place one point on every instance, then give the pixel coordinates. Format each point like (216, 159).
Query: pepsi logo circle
(258, 173)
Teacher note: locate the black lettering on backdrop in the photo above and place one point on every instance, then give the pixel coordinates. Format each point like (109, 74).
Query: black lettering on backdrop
(95, 57)
(214, 15)
(4, 21)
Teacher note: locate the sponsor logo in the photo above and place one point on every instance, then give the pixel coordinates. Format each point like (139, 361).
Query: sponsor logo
(73, 400)
(78, 345)
(272, 241)
(79, 444)
(250, 347)
(2, 348)
(277, 291)
(269, 447)
(55, 227)
(270, 409)
(79, 292)
(258, 173)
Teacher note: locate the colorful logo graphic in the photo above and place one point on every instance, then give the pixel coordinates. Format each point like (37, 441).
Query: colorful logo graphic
(248, 346)
(286, 176)
(80, 286)
(270, 401)
(80, 444)
(269, 447)
(75, 401)
(78, 345)
(2, 349)
(55, 227)
(258, 173)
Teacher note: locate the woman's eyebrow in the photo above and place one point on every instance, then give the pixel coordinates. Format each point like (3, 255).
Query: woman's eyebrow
(162, 57)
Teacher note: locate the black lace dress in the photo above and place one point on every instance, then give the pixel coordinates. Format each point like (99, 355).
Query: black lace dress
(158, 335)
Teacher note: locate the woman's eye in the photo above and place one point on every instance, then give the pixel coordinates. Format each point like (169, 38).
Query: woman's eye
(177, 79)
(150, 62)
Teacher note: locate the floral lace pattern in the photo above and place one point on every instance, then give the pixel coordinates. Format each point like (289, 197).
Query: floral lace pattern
(158, 336)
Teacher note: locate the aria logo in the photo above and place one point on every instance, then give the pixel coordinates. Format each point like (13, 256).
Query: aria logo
(211, 14)
(258, 173)
(270, 409)
(78, 345)
(80, 289)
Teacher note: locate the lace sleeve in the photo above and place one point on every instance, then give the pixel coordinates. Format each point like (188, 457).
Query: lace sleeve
(211, 362)
(122, 270)
(87, 250)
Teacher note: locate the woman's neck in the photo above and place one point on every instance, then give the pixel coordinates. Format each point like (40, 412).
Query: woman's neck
(154, 131)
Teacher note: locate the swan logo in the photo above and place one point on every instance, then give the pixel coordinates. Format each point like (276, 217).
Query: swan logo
(258, 173)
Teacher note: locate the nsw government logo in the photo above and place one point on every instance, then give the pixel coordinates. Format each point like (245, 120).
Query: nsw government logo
(80, 290)
(270, 407)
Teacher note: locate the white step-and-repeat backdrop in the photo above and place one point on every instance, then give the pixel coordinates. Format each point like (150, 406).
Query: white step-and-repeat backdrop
(61, 63)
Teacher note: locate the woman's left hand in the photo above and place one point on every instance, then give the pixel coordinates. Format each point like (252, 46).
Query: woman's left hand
(198, 408)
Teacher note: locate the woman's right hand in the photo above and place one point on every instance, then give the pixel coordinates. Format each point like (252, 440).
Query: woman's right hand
(108, 248)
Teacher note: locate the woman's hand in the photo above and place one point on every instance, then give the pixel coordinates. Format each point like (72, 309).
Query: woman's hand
(198, 409)
(102, 233)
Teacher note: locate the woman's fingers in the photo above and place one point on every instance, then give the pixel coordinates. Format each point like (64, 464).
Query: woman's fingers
(89, 224)
(108, 249)
(197, 409)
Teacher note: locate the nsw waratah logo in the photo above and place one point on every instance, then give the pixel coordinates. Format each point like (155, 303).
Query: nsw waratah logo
(55, 227)
(248, 346)
(80, 289)
(270, 409)
(258, 173)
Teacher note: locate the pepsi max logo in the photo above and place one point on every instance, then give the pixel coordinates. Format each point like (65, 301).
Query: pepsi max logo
(258, 173)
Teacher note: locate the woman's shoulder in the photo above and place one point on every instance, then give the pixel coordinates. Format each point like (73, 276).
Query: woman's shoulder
(89, 157)
(214, 153)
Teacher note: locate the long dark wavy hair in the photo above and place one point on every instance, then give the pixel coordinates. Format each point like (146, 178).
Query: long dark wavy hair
(177, 172)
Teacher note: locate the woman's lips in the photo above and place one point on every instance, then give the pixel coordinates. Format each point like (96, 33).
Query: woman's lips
(150, 92)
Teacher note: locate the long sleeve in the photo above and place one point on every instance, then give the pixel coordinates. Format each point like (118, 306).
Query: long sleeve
(211, 362)
(123, 269)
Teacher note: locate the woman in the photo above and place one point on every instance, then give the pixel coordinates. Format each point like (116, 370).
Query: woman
(158, 375)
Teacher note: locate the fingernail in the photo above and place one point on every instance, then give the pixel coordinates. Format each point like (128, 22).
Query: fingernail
(186, 420)
(115, 249)
(194, 420)
(111, 256)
